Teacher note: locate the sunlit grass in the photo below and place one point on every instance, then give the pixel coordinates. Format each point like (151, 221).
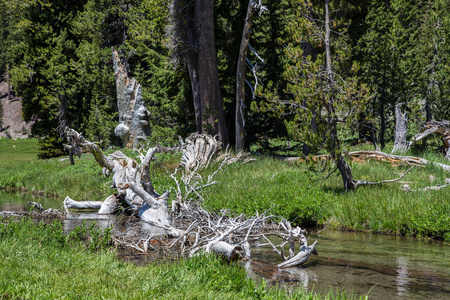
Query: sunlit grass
(35, 265)
(288, 190)
(18, 150)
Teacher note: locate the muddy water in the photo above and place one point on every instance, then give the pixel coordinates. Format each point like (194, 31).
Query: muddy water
(385, 267)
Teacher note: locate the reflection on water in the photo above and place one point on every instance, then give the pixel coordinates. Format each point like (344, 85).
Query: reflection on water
(402, 278)
(385, 267)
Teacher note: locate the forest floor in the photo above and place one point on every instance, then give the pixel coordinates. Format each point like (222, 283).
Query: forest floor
(11, 123)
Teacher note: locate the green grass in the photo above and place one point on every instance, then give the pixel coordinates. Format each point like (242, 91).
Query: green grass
(82, 181)
(387, 208)
(304, 197)
(18, 150)
(288, 190)
(285, 189)
(39, 262)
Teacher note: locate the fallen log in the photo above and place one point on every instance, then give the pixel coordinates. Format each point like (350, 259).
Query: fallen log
(70, 203)
(293, 260)
(367, 155)
(435, 127)
(197, 230)
(129, 180)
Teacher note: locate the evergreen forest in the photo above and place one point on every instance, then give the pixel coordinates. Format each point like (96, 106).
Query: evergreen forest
(314, 69)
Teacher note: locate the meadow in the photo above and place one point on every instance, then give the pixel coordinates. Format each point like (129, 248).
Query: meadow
(288, 190)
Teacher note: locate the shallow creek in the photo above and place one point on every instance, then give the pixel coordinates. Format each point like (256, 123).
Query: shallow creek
(386, 267)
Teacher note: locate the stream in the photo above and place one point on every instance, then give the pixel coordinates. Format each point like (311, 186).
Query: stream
(385, 267)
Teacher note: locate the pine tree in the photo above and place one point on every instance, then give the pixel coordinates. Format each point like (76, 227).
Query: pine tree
(432, 53)
(326, 95)
(387, 56)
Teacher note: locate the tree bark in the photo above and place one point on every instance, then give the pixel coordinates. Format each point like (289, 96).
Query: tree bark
(133, 116)
(343, 167)
(240, 77)
(192, 37)
(192, 64)
(401, 123)
(213, 117)
(9, 84)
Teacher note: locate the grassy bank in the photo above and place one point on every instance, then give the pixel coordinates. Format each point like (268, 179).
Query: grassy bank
(304, 197)
(289, 190)
(40, 262)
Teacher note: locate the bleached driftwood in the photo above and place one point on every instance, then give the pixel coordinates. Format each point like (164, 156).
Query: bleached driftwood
(198, 150)
(222, 233)
(132, 183)
(197, 230)
(407, 187)
(377, 155)
(395, 159)
(438, 127)
(70, 203)
(290, 235)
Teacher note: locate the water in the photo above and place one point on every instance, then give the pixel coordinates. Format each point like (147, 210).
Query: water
(386, 267)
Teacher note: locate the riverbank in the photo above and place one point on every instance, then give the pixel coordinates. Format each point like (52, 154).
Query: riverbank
(42, 262)
(289, 190)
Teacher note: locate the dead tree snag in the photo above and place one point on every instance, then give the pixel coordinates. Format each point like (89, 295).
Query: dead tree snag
(133, 116)
(401, 122)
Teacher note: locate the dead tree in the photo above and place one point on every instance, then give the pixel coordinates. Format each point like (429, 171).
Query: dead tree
(133, 116)
(401, 122)
(197, 230)
(132, 183)
(241, 70)
(438, 127)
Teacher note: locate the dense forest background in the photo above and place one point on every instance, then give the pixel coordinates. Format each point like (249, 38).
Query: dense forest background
(58, 57)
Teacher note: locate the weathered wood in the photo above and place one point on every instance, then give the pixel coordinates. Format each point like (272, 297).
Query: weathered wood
(70, 203)
(133, 116)
(300, 258)
(438, 127)
(401, 122)
(395, 159)
(207, 231)
(240, 76)
(290, 236)
(127, 175)
(230, 252)
(108, 206)
(198, 150)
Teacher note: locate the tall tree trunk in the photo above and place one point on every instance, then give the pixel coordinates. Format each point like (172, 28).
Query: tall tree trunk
(213, 117)
(192, 64)
(192, 36)
(240, 77)
(382, 116)
(343, 167)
